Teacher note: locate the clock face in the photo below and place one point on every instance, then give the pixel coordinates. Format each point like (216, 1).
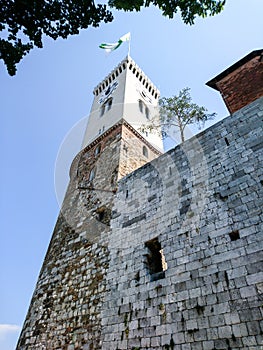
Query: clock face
(108, 91)
(144, 95)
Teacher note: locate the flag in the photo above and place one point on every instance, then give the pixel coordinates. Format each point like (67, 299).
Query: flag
(109, 47)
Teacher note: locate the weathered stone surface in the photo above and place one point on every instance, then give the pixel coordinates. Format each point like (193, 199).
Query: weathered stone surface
(202, 200)
(66, 308)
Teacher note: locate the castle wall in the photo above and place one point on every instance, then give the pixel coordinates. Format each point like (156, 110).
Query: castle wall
(65, 310)
(105, 284)
(202, 203)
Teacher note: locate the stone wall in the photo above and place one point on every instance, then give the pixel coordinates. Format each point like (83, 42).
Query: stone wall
(201, 204)
(169, 260)
(65, 310)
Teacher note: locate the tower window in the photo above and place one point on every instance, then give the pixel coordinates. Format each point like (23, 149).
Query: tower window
(147, 112)
(92, 174)
(97, 150)
(102, 110)
(155, 259)
(144, 109)
(120, 69)
(109, 103)
(145, 151)
(141, 106)
(106, 106)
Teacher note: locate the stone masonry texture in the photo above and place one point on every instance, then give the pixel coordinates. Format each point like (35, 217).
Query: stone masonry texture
(201, 202)
(65, 311)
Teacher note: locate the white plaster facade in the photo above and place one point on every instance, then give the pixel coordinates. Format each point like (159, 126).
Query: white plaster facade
(117, 97)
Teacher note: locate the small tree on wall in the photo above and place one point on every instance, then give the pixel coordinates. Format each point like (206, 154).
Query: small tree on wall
(177, 112)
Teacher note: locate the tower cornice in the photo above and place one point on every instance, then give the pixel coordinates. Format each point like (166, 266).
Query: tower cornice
(129, 63)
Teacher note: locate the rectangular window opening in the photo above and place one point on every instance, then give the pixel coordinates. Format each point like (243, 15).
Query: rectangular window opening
(155, 259)
(226, 141)
(234, 235)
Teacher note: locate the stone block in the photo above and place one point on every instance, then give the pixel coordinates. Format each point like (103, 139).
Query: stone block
(247, 292)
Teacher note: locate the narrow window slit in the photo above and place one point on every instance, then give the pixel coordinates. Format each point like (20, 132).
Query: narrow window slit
(226, 141)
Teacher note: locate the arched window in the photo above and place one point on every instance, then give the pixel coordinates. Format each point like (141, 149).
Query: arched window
(145, 151)
(102, 110)
(144, 109)
(106, 106)
(97, 150)
(109, 103)
(141, 106)
(91, 174)
(147, 112)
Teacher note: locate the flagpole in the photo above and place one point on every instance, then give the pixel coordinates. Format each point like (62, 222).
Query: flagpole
(129, 49)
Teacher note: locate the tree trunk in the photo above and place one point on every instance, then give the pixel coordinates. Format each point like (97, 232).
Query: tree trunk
(181, 129)
(182, 134)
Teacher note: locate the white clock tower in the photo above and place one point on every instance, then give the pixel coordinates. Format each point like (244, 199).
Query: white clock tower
(125, 94)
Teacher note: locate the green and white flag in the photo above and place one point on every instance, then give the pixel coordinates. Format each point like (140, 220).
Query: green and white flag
(109, 47)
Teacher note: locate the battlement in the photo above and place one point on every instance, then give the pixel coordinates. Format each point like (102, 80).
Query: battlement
(127, 63)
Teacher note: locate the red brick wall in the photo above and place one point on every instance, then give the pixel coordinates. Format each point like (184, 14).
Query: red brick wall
(242, 86)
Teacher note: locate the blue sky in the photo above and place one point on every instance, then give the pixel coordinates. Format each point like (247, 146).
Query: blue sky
(52, 91)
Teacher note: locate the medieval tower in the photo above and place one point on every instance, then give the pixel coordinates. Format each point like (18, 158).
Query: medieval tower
(71, 286)
(158, 251)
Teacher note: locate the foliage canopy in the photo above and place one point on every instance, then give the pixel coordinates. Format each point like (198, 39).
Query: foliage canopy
(24, 22)
(177, 112)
